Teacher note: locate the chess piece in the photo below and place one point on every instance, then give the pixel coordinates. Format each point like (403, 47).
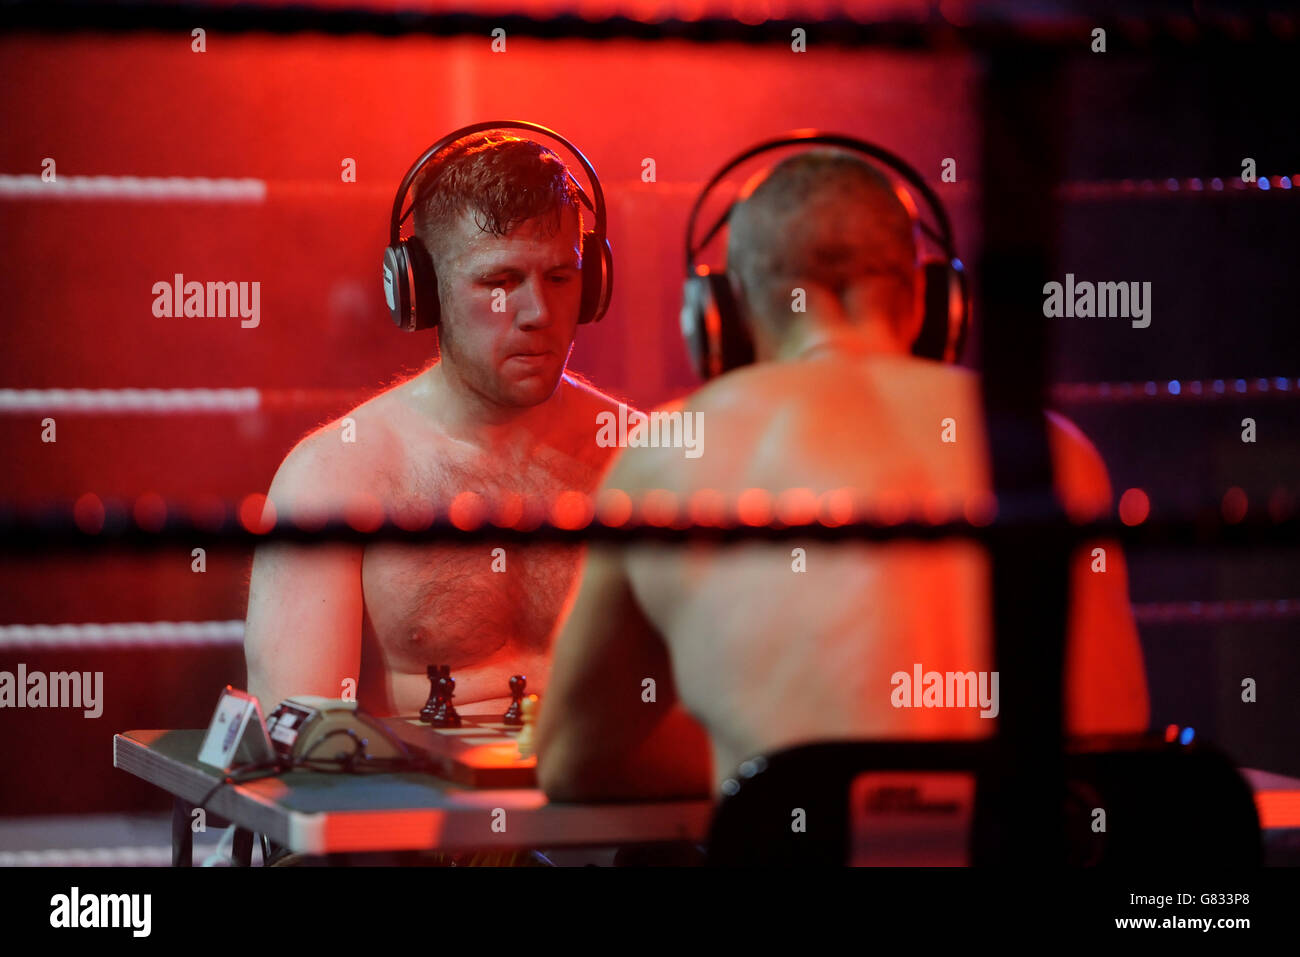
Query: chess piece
(430, 709)
(513, 714)
(525, 739)
(446, 716)
(440, 692)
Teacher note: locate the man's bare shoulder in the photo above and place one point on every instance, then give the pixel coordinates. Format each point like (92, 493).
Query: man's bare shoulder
(339, 459)
(1081, 476)
(640, 468)
(755, 389)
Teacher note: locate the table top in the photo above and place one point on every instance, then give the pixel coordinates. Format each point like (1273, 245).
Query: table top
(314, 812)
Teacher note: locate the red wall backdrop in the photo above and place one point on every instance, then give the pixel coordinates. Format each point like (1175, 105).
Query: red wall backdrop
(76, 285)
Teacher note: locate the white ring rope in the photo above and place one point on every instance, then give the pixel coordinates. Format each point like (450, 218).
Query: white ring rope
(156, 856)
(129, 400)
(156, 634)
(134, 188)
(26, 186)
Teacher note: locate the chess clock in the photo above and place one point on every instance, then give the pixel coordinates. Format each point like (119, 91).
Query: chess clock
(328, 729)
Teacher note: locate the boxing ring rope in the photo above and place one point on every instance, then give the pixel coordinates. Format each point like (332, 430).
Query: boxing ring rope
(121, 635)
(574, 518)
(847, 24)
(148, 856)
(82, 636)
(250, 399)
(22, 187)
(139, 188)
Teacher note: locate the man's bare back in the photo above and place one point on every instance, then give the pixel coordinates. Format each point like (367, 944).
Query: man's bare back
(379, 614)
(765, 656)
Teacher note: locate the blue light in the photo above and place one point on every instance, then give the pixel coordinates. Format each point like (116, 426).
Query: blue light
(1285, 182)
(1186, 736)
(1216, 183)
(1240, 385)
(1218, 386)
(1149, 388)
(1263, 182)
(1281, 383)
(1175, 387)
(1171, 184)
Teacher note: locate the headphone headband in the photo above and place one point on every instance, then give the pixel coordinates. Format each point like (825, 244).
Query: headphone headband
(410, 280)
(596, 205)
(943, 236)
(713, 316)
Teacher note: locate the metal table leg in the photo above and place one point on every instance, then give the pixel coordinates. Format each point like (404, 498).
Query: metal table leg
(182, 836)
(242, 854)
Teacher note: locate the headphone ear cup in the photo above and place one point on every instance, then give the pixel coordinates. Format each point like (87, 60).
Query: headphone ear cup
(427, 309)
(944, 307)
(397, 286)
(735, 345)
(698, 309)
(597, 277)
(712, 325)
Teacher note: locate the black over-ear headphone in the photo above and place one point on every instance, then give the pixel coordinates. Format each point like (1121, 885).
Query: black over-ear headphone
(410, 284)
(713, 326)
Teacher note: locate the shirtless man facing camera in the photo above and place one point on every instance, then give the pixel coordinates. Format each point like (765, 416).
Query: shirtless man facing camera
(748, 656)
(496, 416)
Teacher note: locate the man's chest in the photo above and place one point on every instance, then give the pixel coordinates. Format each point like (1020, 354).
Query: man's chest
(458, 604)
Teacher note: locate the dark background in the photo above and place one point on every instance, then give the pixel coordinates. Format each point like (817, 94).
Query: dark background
(75, 290)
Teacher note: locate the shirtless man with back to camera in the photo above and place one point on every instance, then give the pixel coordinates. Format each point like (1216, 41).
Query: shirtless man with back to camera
(750, 657)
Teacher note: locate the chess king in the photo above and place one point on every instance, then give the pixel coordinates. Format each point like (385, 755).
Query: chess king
(503, 265)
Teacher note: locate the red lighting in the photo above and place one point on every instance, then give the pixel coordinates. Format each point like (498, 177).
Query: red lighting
(708, 507)
(1134, 507)
(1234, 505)
(414, 516)
(797, 506)
(837, 507)
(509, 510)
(754, 507)
(150, 512)
(614, 507)
(571, 510)
(89, 514)
(467, 511)
(659, 508)
(257, 513)
(364, 512)
(981, 508)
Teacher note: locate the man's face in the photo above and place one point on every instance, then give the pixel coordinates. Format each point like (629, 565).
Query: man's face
(510, 307)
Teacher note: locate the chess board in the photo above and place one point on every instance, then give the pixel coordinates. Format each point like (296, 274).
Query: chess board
(481, 753)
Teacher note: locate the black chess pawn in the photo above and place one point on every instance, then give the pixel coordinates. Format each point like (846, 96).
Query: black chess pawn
(446, 716)
(430, 709)
(513, 715)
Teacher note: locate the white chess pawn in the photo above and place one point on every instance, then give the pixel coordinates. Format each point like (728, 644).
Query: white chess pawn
(528, 709)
